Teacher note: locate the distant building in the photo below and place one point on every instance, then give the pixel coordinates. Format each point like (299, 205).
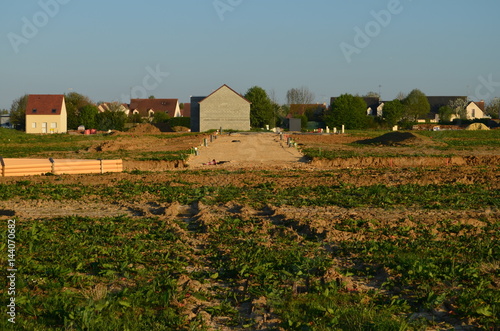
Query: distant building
(46, 114)
(476, 110)
(436, 102)
(373, 104)
(106, 106)
(224, 108)
(5, 121)
(186, 110)
(148, 107)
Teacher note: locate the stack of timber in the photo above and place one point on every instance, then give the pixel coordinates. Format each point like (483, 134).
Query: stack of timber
(29, 167)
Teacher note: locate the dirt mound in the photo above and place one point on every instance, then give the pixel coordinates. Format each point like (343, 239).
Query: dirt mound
(181, 129)
(144, 129)
(111, 146)
(393, 139)
(477, 126)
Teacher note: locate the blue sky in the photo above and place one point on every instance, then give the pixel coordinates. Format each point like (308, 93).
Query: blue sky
(108, 49)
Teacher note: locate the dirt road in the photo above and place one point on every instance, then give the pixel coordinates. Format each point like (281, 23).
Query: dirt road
(248, 150)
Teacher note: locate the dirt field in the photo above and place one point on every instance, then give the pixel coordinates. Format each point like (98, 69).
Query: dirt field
(247, 158)
(277, 192)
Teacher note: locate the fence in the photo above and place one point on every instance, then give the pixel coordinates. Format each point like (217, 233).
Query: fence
(29, 167)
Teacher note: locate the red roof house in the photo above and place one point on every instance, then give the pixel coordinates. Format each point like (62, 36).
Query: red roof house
(46, 113)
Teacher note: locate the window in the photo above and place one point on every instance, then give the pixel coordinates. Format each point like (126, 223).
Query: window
(34, 110)
(33, 125)
(53, 125)
(54, 111)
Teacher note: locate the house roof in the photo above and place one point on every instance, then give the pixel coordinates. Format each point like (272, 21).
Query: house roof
(220, 88)
(143, 106)
(372, 102)
(481, 105)
(105, 106)
(437, 102)
(44, 104)
(186, 111)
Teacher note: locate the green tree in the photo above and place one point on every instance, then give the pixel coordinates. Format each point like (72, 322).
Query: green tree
(74, 103)
(87, 116)
(445, 113)
(416, 105)
(347, 110)
(112, 119)
(160, 117)
(261, 109)
(393, 112)
(135, 118)
(18, 112)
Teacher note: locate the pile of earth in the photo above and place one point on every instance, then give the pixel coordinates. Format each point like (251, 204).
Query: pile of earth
(180, 129)
(111, 146)
(145, 128)
(394, 139)
(477, 126)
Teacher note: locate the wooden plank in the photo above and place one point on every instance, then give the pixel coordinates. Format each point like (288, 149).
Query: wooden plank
(29, 167)
(2, 163)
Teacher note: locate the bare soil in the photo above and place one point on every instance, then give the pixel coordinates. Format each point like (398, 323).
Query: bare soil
(247, 150)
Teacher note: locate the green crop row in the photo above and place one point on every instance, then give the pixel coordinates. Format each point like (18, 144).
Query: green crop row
(98, 274)
(465, 138)
(347, 154)
(446, 196)
(123, 273)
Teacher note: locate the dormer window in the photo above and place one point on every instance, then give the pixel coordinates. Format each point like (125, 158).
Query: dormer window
(34, 110)
(54, 111)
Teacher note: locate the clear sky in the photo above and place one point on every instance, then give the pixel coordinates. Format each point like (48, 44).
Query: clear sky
(107, 49)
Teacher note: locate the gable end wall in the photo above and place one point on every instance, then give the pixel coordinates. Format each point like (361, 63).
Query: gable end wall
(224, 109)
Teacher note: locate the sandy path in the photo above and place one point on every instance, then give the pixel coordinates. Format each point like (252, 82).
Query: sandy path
(248, 150)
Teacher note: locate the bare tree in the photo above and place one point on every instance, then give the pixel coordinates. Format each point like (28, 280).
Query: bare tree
(372, 94)
(493, 108)
(401, 96)
(459, 107)
(300, 95)
(272, 96)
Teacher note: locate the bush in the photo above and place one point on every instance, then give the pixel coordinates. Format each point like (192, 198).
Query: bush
(180, 121)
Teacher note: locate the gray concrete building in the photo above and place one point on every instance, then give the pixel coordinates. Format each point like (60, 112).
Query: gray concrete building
(224, 109)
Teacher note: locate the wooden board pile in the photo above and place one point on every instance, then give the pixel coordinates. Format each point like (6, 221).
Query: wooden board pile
(29, 167)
